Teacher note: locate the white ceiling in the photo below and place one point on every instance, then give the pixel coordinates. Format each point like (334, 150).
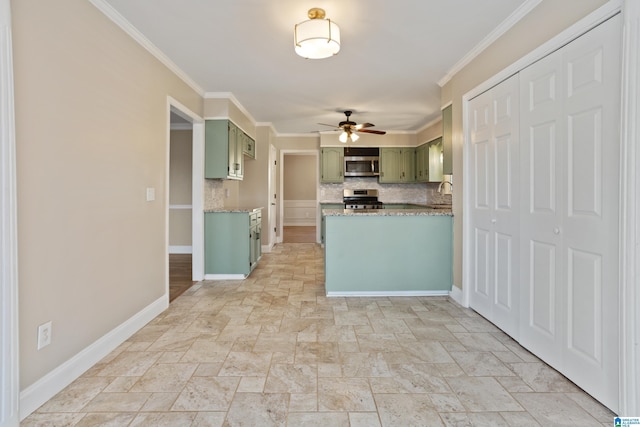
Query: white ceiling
(393, 54)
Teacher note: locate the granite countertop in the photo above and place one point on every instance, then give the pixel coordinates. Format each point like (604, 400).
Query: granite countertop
(233, 210)
(426, 211)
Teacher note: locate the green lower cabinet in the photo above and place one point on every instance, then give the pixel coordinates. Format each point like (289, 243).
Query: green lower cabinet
(232, 246)
(322, 218)
(406, 255)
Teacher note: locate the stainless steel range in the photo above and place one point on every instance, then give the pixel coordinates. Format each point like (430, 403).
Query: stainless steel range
(361, 199)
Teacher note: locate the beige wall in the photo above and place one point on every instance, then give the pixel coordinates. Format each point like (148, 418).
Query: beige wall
(180, 185)
(548, 19)
(429, 133)
(300, 177)
(91, 129)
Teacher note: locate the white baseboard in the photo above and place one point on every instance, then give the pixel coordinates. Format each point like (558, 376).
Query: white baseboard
(180, 249)
(299, 222)
(224, 277)
(267, 248)
(388, 294)
(48, 386)
(457, 295)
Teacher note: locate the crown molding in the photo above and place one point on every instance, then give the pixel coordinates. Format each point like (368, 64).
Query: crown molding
(494, 35)
(230, 96)
(429, 124)
(133, 32)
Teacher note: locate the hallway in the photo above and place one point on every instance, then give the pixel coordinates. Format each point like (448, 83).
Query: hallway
(272, 350)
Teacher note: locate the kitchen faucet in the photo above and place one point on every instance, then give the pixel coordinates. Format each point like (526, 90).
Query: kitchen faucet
(445, 181)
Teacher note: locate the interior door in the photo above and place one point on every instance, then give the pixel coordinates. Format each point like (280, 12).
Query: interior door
(272, 194)
(570, 136)
(494, 160)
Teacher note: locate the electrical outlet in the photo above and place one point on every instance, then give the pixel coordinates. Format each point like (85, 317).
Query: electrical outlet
(44, 335)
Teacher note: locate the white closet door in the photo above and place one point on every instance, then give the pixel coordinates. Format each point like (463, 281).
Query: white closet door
(570, 170)
(494, 160)
(542, 128)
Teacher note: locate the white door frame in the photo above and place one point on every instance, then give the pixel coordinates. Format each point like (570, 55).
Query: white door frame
(273, 235)
(280, 202)
(197, 188)
(9, 350)
(630, 213)
(629, 183)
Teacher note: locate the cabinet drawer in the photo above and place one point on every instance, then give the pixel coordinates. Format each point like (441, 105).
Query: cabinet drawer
(255, 218)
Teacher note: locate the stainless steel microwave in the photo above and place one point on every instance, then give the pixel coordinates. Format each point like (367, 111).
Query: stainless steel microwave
(361, 165)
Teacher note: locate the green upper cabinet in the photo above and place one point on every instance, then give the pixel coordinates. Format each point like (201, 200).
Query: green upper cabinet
(390, 165)
(249, 147)
(397, 165)
(422, 163)
(408, 165)
(434, 159)
(332, 164)
(447, 147)
(223, 150)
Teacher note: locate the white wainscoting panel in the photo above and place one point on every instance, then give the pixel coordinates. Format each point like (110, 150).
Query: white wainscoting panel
(300, 212)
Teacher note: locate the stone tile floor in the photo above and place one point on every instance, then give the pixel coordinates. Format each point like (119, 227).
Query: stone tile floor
(272, 350)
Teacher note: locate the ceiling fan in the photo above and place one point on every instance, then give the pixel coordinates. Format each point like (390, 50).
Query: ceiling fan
(350, 128)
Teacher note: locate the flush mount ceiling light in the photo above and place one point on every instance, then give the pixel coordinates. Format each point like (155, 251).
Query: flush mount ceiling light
(317, 38)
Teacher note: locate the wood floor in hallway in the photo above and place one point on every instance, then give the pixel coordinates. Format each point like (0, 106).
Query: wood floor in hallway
(298, 234)
(179, 275)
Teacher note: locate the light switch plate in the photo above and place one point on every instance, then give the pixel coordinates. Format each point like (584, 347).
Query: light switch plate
(151, 194)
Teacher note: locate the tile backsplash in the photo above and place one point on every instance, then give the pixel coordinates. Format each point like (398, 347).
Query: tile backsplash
(388, 193)
(213, 194)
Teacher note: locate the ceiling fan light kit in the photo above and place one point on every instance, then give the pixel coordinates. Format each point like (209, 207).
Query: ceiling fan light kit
(316, 38)
(350, 128)
(346, 136)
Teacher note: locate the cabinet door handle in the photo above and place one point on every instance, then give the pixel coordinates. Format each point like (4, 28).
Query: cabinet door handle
(556, 230)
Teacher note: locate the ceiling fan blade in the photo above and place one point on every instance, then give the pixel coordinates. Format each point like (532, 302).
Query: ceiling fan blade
(377, 132)
(364, 125)
(333, 126)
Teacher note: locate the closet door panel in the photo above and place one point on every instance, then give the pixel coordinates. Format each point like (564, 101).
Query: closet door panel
(590, 229)
(506, 206)
(481, 165)
(541, 132)
(494, 154)
(542, 167)
(585, 305)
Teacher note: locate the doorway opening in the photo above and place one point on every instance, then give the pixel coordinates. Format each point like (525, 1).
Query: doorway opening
(299, 201)
(184, 200)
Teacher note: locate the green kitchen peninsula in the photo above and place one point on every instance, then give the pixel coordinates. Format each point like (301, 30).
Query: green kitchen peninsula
(388, 252)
